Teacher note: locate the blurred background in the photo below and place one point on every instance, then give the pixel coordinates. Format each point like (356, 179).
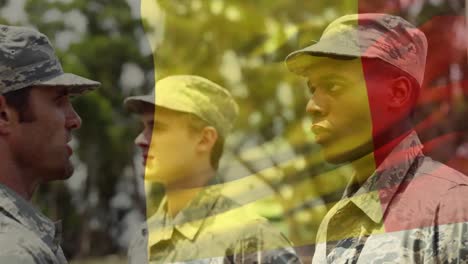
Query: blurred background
(240, 45)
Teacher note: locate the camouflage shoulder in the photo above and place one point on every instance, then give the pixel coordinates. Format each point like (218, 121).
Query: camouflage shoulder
(261, 240)
(19, 245)
(269, 233)
(20, 250)
(444, 173)
(137, 248)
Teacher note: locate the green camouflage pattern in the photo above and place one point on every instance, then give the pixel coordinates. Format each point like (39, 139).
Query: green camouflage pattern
(411, 210)
(191, 94)
(27, 58)
(212, 229)
(381, 36)
(26, 236)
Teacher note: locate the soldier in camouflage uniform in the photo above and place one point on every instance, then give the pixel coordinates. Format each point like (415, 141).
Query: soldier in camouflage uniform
(36, 120)
(185, 123)
(365, 75)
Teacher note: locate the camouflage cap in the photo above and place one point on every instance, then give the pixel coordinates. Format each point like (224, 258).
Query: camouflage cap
(27, 58)
(191, 94)
(381, 36)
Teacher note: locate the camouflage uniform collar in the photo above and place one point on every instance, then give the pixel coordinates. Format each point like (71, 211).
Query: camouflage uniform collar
(27, 215)
(188, 221)
(375, 195)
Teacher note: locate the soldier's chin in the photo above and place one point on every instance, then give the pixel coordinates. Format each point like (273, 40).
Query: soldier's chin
(148, 176)
(151, 176)
(334, 157)
(153, 179)
(69, 171)
(58, 174)
(338, 155)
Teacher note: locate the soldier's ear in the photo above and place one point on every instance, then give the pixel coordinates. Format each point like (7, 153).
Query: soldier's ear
(5, 116)
(400, 93)
(208, 138)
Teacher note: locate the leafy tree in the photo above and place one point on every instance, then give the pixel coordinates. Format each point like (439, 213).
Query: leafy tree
(97, 39)
(240, 45)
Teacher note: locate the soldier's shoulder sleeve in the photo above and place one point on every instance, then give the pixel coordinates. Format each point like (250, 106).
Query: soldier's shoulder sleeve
(262, 241)
(453, 204)
(16, 259)
(137, 249)
(17, 250)
(452, 225)
(19, 245)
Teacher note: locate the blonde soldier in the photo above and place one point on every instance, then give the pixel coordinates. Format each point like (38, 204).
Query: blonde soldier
(365, 75)
(185, 123)
(36, 121)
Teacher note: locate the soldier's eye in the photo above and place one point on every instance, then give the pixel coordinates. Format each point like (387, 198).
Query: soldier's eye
(60, 100)
(311, 88)
(158, 126)
(333, 87)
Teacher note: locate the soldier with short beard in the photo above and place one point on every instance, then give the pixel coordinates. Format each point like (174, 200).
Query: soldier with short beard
(36, 122)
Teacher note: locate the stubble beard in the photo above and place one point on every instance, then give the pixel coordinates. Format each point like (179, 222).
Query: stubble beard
(32, 165)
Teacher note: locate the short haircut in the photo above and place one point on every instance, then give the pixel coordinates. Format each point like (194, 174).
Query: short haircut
(376, 66)
(196, 124)
(19, 101)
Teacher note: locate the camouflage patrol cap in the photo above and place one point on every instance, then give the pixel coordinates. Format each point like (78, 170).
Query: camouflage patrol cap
(191, 94)
(27, 58)
(380, 36)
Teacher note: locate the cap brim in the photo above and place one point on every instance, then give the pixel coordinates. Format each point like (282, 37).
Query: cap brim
(136, 103)
(299, 61)
(76, 84)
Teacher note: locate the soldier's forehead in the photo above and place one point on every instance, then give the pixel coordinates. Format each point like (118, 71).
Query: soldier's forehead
(334, 69)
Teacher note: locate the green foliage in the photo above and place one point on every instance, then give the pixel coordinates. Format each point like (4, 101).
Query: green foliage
(109, 40)
(236, 43)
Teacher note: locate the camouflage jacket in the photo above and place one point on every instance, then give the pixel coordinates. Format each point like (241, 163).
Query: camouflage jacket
(26, 236)
(411, 210)
(212, 229)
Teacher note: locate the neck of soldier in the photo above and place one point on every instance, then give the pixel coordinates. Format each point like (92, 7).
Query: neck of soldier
(384, 143)
(19, 179)
(179, 194)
